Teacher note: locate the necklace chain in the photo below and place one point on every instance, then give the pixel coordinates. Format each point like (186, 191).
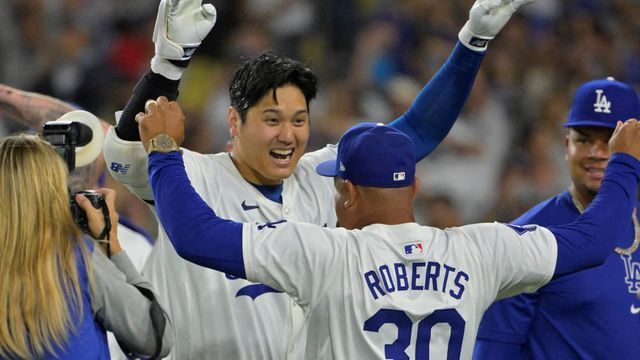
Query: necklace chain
(636, 227)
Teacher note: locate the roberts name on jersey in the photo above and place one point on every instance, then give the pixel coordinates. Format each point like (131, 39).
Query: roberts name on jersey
(419, 275)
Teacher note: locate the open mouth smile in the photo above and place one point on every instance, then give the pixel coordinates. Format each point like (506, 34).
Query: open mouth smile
(281, 154)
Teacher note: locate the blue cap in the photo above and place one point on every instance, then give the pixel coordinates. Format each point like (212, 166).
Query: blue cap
(602, 103)
(373, 155)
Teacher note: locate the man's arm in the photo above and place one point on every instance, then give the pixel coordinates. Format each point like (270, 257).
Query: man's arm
(436, 108)
(30, 109)
(179, 29)
(33, 110)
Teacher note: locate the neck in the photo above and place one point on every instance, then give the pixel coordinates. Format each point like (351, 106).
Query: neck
(582, 198)
(389, 217)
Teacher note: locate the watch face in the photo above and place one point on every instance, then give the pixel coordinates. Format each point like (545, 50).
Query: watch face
(163, 143)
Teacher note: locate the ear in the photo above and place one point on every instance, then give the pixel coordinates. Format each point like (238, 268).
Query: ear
(566, 147)
(416, 187)
(233, 121)
(350, 194)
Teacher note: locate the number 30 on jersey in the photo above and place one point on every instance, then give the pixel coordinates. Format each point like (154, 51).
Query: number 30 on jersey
(401, 320)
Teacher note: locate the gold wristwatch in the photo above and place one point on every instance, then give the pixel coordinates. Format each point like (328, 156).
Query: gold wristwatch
(162, 143)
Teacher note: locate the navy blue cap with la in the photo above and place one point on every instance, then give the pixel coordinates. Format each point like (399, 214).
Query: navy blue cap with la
(373, 155)
(603, 103)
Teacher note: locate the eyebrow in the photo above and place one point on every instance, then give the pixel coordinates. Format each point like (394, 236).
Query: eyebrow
(279, 112)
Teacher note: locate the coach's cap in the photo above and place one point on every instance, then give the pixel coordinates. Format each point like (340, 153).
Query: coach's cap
(602, 103)
(373, 155)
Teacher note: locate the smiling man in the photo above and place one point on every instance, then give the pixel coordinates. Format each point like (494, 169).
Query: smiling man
(592, 313)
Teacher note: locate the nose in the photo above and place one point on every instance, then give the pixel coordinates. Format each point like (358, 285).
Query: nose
(599, 150)
(286, 134)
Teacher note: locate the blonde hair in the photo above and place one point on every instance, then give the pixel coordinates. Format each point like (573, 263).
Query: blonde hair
(39, 278)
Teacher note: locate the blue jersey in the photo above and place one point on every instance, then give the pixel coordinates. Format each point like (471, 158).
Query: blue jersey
(593, 313)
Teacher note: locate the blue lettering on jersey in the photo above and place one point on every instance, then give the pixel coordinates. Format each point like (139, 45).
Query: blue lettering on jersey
(120, 168)
(271, 225)
(253, 290)
(632, 273)
(521, 230)
(431, 276)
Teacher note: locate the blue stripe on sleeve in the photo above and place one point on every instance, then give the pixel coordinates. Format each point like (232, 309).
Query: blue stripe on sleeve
(196, 232)
(588, 241)
(438, 105)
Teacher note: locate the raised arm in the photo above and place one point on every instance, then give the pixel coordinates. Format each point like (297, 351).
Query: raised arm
(180, 28)
(438, 105)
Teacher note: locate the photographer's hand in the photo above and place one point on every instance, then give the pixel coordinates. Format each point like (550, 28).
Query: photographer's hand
(96, 219)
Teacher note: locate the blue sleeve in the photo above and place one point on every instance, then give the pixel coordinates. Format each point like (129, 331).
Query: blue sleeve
(495, 350)
(196, 232)
(440, 102)
(588, 241)
(504, 327)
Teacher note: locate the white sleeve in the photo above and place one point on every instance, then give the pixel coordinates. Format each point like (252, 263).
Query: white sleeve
(127, 164)
(518, 258)
(299, 259)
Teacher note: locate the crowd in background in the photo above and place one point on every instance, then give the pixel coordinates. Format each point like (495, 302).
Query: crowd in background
(372, 57)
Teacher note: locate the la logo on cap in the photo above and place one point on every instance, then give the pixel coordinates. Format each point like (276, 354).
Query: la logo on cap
(602, 105)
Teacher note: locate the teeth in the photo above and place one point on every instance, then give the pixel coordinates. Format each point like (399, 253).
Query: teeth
(283, 152)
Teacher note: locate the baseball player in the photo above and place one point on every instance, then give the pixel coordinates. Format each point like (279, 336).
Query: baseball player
(593, 313)
(387, 288)
(265, 177)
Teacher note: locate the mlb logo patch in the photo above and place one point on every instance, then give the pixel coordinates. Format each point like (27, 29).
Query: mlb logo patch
(399, 176)
(413, 248)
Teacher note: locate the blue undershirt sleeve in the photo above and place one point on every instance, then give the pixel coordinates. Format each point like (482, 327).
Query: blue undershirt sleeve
(196, 232)
(496, 350)
(438, 105)
(589, 240)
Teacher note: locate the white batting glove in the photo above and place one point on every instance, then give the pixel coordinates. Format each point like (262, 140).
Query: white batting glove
(181, 25)
(486, 19)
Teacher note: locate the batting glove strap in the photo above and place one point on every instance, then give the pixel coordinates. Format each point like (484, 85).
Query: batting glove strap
(180, 27)
(486, 19)
(472, 41)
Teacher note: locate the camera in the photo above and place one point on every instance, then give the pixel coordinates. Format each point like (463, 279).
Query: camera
(66, 137)
(80, 216)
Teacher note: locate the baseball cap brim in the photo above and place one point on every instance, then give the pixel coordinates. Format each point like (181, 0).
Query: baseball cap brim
(589, 123)
(327, 168)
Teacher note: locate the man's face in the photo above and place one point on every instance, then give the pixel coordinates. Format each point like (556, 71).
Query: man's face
(268, 145)
(587, 154)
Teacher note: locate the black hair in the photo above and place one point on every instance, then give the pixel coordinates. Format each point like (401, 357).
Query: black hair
(265, 72)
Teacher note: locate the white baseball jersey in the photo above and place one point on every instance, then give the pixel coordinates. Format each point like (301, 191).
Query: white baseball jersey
(216, 316)
(397, 291)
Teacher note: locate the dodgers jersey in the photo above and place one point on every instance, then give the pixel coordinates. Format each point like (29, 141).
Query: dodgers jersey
(590, 314)
(216, 316)
(396, 291)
